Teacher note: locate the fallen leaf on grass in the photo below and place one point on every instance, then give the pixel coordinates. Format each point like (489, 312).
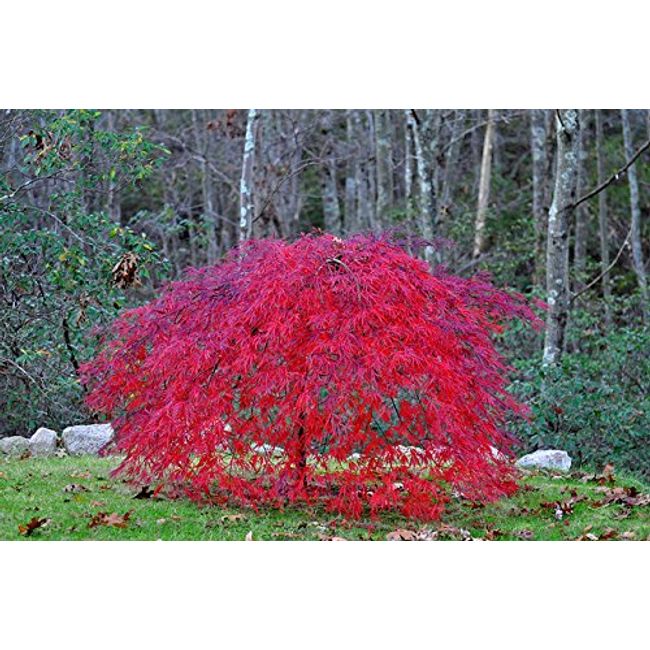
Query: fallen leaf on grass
(628, 534)
(628, 496)
(74, 488)
(32, 525)
(80, 474)
(232, 518)
(112, 519)
(98, 504)
(249, 536)
(525, 534)
(402, 535)
(608, 474)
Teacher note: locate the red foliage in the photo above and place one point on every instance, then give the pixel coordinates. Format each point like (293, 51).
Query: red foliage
(324, 348)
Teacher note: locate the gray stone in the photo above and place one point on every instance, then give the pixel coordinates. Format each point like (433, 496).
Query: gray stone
(87, 438)
(43, 442)
(555, 459)
(14, 445)
(267, 449)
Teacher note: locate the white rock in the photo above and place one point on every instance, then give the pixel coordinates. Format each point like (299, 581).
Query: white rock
(267, 449)
(355, 456)
(14, 445)
(546, 459)
(87, 438)
(497, 455)
(43, 442)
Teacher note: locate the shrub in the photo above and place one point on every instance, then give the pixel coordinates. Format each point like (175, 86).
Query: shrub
(58, 245)
(324, 348)
(596, 403)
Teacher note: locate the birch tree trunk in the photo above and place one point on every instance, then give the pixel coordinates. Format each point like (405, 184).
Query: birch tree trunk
(603, 227)
(246, 199)
(425, 216)
(635, 211)
(384, 165)
(538, 137)
(557, 252)
(484, 186)
(408, 166)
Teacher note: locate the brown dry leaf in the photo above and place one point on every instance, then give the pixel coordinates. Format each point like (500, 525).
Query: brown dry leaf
(249, 536)
(402, 535)
(628, 496)
(628, 534)
(112, 519)
(80, 474)
(98, 504)
(125, 271)
(174, 517)
(525, 534)
(232, 518)
(609, 533)
(3, 475)
(32, 525)
(608, 474)
(337, 539)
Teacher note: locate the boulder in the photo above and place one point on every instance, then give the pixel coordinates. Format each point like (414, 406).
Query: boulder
(555, 459)
(87, 438)
(14, 445)
(43, 442)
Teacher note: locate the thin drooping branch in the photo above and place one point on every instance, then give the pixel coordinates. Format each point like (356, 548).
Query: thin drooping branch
(603, 273)
(613, 178)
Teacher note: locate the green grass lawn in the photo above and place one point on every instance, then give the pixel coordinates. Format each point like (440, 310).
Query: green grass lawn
(79, 501)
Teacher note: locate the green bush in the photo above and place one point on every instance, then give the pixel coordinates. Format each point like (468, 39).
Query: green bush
(59, 247)
(595, 404)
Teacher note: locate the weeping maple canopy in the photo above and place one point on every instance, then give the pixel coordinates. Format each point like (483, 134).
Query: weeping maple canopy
(375, 380)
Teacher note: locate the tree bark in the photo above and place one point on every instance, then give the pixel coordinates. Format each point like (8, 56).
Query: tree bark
(581, 213)
(538, 137)
(635, 211)
(246, 200)
(603, 227)
(557, 252)
(383, 165)
(484, 186)
(329, 191)
(425, 216)
(350, 176)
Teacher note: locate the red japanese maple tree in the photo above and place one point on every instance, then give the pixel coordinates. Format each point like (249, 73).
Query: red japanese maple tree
(342, 372)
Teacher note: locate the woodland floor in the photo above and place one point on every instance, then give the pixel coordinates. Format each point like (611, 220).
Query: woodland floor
(75, 499)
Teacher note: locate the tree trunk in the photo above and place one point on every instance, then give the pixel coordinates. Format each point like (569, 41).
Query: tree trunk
(246, 200)
(350, 176)
(484, 186)
(425, 216)
(635, 210)
(603, 227)
(384, 165)
(329, 192)
(538, 137)
(408, 166)
(557, 252)
(581, 216)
